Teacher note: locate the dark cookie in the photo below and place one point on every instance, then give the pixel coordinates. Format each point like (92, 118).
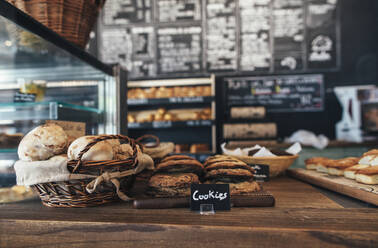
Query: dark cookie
(229, 174)
(177, 157)
(229, 165)
(180, 166)
(164, 185)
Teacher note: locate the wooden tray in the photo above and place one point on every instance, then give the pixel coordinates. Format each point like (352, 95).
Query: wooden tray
(349, 187)
(258, 199)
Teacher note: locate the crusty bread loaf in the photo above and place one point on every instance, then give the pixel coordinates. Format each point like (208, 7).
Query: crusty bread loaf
(42, 143)
(103, 150)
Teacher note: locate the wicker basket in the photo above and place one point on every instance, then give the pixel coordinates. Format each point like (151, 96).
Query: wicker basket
(277, 165)
(74, 193)
(72, 19)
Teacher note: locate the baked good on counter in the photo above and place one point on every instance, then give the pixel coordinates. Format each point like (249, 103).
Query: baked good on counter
(368, 175)
(104, 150)
(179, 164)
(338, 166)
(366, 161)
(232, 171)
(313, 163)
(173, 176)
(42, 143)
(170, 185)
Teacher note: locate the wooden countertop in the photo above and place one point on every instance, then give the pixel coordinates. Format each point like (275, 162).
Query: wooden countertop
(303, 216)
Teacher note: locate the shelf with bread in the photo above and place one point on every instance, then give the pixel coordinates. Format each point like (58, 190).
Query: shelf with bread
(168, 104)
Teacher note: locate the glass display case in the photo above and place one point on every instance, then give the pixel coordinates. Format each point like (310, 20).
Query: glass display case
(44, 77)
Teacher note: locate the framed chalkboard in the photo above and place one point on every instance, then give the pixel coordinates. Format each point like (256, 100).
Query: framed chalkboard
(287, 93)
(175, 38)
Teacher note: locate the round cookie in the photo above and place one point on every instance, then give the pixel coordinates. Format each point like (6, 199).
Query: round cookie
(163, 185)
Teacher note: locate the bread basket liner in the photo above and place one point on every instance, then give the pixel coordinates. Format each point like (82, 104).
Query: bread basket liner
(55, 170)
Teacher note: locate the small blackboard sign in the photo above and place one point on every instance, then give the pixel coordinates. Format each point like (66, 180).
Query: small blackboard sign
(261, 172)
(23, 97)
(216, 194)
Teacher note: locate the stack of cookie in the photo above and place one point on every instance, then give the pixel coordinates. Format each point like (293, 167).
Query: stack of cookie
(221, 169)
(174, 175)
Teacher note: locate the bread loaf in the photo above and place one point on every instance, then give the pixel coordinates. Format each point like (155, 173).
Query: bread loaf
(247, 112)
(246, 131)
(42, 143)
(104, 150)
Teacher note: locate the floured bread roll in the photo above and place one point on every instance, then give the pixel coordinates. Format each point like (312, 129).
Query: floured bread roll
(104, 150)
(42, 143)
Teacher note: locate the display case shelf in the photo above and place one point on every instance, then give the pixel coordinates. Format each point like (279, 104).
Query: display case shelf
(171, 124)
(169, 101)
(48, 111)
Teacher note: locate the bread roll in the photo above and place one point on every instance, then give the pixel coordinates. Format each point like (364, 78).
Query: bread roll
(42, 143)
(103, 150)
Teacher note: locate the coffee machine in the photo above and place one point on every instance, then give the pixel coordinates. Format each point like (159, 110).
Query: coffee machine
(349, 127)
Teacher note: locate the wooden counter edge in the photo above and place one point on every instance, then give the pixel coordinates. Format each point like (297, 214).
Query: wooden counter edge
(16, 233)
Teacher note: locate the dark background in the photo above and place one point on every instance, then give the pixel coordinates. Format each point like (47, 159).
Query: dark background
(358, 66)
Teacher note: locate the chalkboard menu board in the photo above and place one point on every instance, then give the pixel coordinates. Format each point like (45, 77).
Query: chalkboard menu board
(277, 93)
(179, 49)
(194, 37)
(221, 26)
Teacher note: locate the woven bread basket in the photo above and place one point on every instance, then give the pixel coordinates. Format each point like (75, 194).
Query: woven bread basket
(74, 193)
(72, 19)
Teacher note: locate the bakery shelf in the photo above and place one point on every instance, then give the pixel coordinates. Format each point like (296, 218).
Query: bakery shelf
(169, 101)
(8, 154)
(48, 111)
(171, 124)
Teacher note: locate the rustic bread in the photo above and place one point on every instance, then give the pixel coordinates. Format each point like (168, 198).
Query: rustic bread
(42, 143)
(103, 150)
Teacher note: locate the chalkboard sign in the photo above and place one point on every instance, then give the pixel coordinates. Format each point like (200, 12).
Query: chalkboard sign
(217, 195)
(278, 93)
(192, 37)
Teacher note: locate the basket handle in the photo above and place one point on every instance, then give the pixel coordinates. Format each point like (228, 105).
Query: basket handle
(102, 138)
(149, 136)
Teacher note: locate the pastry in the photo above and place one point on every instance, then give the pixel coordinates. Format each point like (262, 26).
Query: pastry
(366, 161)
(220, 158)
(179, 164)
(229, 165)
(163, 185)
(243, 188)
(337, 167)
(42, 143)
(367, 175)
(313, 163)
(229, 175)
